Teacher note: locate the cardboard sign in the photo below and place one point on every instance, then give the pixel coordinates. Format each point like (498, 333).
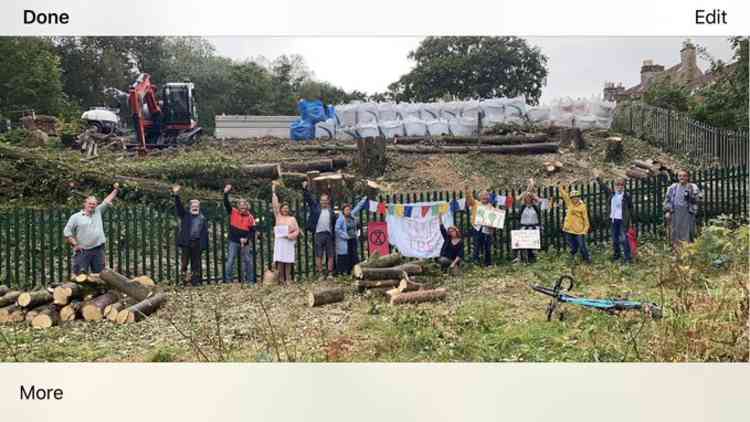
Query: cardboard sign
(377, 237)
(525, 239)
(281, 231)
(489, 216)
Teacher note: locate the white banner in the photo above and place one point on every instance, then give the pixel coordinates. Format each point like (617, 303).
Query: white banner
(525, 239)
(281, 231)
(489, 216)
(415, 237)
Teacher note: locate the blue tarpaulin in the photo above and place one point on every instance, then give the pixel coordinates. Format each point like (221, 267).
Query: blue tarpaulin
(311, 112)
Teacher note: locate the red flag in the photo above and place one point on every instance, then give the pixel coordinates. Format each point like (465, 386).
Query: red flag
(381, 208)
(425, 210)
(509, 201)
(377, 237)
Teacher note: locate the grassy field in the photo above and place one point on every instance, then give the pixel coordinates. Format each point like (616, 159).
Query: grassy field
(489, 315)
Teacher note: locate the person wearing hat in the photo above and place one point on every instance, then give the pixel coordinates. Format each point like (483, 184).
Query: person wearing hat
(576, 224)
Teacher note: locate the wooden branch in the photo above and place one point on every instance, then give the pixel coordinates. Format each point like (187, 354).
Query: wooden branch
(362, 285)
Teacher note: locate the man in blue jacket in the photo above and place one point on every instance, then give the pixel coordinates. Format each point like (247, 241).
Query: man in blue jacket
(192, 237)
(320, 221)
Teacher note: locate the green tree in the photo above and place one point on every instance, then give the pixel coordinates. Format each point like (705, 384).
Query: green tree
(666, 94)
(473, 67)
(30, 76)
(251, 89)
(288, 75)
(724, 103)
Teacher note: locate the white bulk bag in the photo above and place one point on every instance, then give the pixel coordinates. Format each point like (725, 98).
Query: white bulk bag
(463, 126)
(438, 127)
(431, 111)
(538, 114)
(367, 113)
(494, 110)
(409, 111)
(326, 129)
(386, 112)
(367, 130)
(514, 107)
(415, 127)
(346, 115)
(392, 128)
(345, 134)
(470, 109)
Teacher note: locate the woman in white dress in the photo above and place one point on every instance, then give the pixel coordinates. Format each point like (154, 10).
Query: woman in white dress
(283, 246)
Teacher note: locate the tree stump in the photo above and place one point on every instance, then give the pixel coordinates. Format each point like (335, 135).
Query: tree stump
(615, 150)
(371, 159)
(572, 137)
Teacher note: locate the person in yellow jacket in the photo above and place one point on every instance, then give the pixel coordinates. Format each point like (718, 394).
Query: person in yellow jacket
(576, 224)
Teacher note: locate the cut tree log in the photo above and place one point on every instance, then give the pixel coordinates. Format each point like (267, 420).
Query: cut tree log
(362, 285)
(3, 290)
(33, 299)
(540, 148)
(71, 311)
(636, 173)
(322, 166)
(615, 150)
(386, 273)
(377, 261)
(87, 278)
(141, 309)
(325, 297)
(30, 314)
(93, 310)
(111, 311)
(499, 139)
(651, 168)
(46, 317)
(145, 281)
(12, 313)
(408, 285)
(419, 296)
(552, 166)
(9, 298)
(62, 295)
(121, 283)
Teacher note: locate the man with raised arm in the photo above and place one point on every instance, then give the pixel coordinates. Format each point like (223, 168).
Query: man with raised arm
(241, 235)
(321, 221)
(192, 237)
(84, 232)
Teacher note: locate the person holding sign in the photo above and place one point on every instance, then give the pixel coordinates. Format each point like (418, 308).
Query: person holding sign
(453, 249)
(620, 210)
(531, 219)
(482, 234)
(346, 237)
(576, 224)
(286, 233)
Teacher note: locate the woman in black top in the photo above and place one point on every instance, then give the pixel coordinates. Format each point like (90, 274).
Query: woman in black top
(453, 249)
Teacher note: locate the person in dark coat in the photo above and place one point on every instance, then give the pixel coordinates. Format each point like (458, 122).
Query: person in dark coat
(192, 237)
(620, 212)
(452, 252)
(321, 221)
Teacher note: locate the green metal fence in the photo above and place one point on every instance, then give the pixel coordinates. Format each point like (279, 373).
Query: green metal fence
(677, 133)
(141, 240)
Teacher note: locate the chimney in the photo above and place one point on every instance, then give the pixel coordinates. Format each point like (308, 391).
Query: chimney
(649, 70)
(688, 56)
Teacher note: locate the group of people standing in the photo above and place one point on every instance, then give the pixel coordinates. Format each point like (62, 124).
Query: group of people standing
(336, 236)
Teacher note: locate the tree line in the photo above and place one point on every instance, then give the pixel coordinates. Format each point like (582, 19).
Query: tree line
(65, 75)
(723, 102)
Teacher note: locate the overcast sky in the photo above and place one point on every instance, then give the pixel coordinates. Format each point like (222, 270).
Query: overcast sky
(578, 66)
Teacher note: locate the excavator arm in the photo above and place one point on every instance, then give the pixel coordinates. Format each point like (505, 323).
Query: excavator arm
(143, 93)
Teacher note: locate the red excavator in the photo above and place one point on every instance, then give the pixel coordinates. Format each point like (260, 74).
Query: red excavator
(165, 122)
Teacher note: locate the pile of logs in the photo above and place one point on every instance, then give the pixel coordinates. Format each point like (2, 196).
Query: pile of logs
(91, 297)
(641, 169)
(386, 275)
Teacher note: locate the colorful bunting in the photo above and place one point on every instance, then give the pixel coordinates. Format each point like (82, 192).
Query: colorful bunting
(373, 206)
(381, 208)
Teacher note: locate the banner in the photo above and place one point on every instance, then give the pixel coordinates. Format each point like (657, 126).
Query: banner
(525, 239)
(377, 237)
(415, 237)
(489, 216)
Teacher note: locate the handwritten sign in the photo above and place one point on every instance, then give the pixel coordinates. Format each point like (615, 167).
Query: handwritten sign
(525, 239)
(415, 237)
(489, 216)
(281, 231)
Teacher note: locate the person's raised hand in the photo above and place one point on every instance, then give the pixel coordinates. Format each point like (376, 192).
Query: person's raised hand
(175, 188)
(304, 184)
(116, 186)
(227, 188)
